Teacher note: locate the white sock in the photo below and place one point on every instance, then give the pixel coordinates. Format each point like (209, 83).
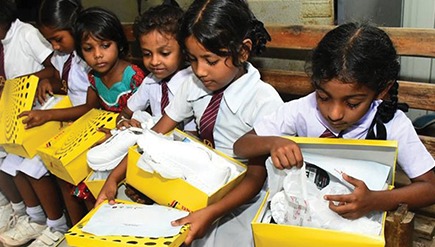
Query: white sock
(58, 225)
(19, 208)
(36, 214)
(3, 200)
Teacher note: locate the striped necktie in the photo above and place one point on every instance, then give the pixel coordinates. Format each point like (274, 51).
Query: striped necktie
(165, 97)
(2, 63)
(208, 119)
(65, 73)
(328, 134)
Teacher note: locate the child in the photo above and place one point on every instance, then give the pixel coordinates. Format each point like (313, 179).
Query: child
(156, 30)
(23, 51)
(227, 92)
(353, 67)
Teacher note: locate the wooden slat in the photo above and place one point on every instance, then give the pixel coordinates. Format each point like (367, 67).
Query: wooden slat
(416, 95)
(429, 143)
(408, 41)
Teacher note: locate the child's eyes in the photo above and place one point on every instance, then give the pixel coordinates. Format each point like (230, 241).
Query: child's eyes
(166, 54)
(86, 49)
(211, 63)
(58, 40)
(191, 59)
(352, 106)
(146, 54)
(105, 46)
(322, 98)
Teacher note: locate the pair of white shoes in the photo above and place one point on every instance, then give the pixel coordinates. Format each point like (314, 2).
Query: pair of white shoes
(190, 161)
(109, 154)
(22, 230)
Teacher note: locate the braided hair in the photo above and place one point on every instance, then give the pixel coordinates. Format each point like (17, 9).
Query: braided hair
(221, 26)
(364, 54)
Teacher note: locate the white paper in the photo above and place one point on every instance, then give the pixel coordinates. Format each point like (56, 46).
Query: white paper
(373, 174)
(134, 220)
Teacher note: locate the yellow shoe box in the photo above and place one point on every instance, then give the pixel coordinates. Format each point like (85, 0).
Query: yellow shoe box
(65, 154)
(267, 234)
(176, 193)
(94, 184)
(18, 96)
(76, 237)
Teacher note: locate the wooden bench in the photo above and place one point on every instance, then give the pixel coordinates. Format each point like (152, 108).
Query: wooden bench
(301, 39)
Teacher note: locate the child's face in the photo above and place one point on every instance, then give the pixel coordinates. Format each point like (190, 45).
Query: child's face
(101, 55)
(161, 53)
(343, 104)
(215, 72)
(61, 40)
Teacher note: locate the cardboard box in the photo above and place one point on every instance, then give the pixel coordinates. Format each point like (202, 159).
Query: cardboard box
(266, 234)
(95, 184)
(75, 237)
(65, 154)
(18, 96)
(176, 193)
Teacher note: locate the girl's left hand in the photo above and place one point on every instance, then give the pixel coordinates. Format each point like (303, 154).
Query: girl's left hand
(34, 118)
(199, 222)
(355, 205)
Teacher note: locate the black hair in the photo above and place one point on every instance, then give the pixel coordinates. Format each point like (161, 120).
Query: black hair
(8, 13)
(101, 24)
(361, 54)
(163, 18)
(221, 26)
(59, 14)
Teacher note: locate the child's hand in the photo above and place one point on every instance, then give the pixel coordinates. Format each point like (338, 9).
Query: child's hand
(127, 123)
(199, 222)
(108, 192)
(286, 153)
(107, 133)
(355, 205)
(34, 118)
(44, 87)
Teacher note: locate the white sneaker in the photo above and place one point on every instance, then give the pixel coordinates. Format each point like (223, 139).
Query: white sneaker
(109, 154)
(47, 238)
(23, 232)
(5, 214)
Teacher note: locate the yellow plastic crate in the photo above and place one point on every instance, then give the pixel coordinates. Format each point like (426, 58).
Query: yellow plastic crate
(175, 192)
(75, 237)
(266, 234)
(65, 154)
(18, 96)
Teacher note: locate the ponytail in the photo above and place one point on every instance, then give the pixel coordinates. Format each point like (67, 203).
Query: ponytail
(259, 37)
(385, 113)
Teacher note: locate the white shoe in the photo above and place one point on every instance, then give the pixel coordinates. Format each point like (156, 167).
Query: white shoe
(23, 232)
(5, 214)
(48, 238)
(109, 154)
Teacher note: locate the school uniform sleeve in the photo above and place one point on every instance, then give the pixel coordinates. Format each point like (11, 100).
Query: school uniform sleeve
(140, 100)
(280, 122)
(269, 101)
(38, 46)
(180, 108)
(412, 155)
(92, 82)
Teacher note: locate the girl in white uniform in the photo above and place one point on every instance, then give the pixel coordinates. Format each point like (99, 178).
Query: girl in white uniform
(353, 67)
(156, 29)
(219, 36)
(36, 187)
(23, 51)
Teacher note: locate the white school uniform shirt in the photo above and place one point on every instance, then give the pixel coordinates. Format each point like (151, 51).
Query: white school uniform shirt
(78, 82)
(302, 118)
(25, 49)
(149, 93)
(245, 100)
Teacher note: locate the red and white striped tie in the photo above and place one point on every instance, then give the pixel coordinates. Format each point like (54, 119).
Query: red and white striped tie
(208, 119)
(65, 72)
(327, 134)
(165, 97)
(2, 62)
